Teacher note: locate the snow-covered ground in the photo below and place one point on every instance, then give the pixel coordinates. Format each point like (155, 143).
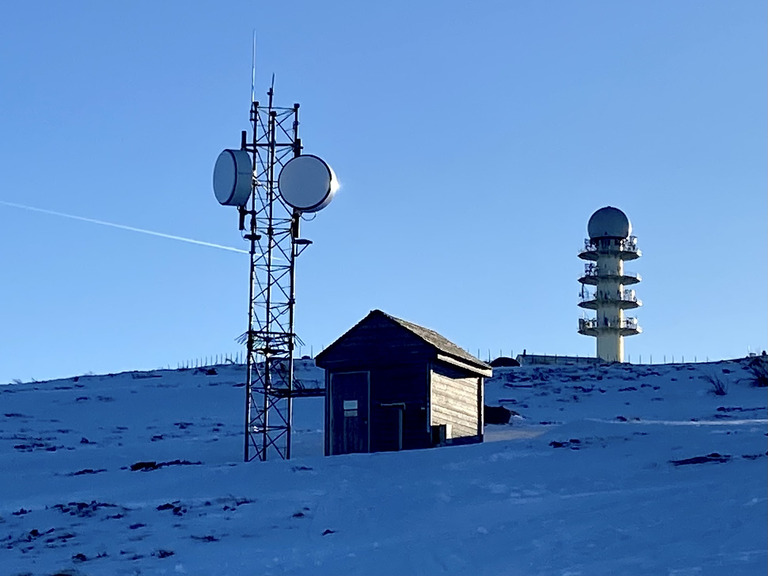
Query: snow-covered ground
(606, 470)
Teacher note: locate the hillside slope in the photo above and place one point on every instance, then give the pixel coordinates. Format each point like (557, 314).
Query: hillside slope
(605, 470)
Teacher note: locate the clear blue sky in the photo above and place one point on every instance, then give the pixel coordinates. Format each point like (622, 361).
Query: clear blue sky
(473, 141)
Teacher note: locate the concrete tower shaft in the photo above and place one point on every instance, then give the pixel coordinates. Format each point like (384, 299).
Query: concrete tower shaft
(603, 285)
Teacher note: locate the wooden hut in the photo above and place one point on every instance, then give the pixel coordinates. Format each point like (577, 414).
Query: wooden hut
(394, 385)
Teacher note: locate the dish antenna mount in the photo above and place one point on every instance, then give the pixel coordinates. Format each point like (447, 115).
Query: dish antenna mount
(271, 183)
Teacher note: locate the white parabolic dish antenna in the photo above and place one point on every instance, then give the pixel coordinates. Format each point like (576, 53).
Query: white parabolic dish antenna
(232, 178)
(307, 183)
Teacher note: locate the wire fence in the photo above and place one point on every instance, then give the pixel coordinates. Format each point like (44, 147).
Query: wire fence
(212, 360)
(232, 358)
(488, 355)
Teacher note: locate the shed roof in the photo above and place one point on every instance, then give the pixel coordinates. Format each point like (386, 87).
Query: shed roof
(430, 337)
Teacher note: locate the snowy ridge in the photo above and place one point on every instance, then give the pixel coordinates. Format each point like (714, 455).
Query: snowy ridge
(615, 469)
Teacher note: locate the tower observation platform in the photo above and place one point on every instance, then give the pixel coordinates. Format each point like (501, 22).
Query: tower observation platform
(609, 245)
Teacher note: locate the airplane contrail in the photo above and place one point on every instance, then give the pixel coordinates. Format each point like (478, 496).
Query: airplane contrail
(124, 227)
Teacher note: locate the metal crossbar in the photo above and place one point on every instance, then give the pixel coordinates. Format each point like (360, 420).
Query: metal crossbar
(272, 229)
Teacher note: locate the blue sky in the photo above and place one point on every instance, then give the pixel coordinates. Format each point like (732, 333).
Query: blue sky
(473, 142)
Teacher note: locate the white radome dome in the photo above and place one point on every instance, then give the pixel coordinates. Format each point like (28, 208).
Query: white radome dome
(609, 222)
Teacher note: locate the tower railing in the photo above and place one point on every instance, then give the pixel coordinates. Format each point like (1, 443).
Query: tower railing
(628, 244)
(626, 295)
(594, 323)
(592, 271)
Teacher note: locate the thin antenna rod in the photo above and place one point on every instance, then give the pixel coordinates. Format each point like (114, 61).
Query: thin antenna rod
(253, 69)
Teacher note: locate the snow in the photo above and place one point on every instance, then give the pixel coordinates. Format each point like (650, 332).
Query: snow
(582, 482)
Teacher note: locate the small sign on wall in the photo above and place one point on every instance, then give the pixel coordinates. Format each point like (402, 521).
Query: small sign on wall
(350, 408)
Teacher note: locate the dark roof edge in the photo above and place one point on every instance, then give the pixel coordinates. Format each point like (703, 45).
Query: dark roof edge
(430, 337)
(332, 345)
(437, 341)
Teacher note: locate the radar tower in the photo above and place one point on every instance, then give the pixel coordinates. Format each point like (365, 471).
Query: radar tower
(610, 243)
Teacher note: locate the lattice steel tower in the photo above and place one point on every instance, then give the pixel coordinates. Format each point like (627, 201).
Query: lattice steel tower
(272, 184)
(610, 243)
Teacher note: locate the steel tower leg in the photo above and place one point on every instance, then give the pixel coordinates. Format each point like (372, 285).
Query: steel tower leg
(272, 231)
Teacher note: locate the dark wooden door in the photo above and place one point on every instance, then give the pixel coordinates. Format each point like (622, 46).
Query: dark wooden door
(350, 412)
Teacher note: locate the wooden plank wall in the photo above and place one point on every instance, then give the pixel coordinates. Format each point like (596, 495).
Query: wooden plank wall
(455, 401)
(403, 369)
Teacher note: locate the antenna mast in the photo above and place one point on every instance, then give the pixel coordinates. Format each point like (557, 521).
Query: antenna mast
(253, 69)
(271, 184)
(272, 229)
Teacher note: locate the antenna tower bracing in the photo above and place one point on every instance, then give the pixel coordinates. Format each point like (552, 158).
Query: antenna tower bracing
(272, 229)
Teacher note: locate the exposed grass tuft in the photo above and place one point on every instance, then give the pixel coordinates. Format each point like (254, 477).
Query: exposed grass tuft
(758, 367)
(719, 386)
